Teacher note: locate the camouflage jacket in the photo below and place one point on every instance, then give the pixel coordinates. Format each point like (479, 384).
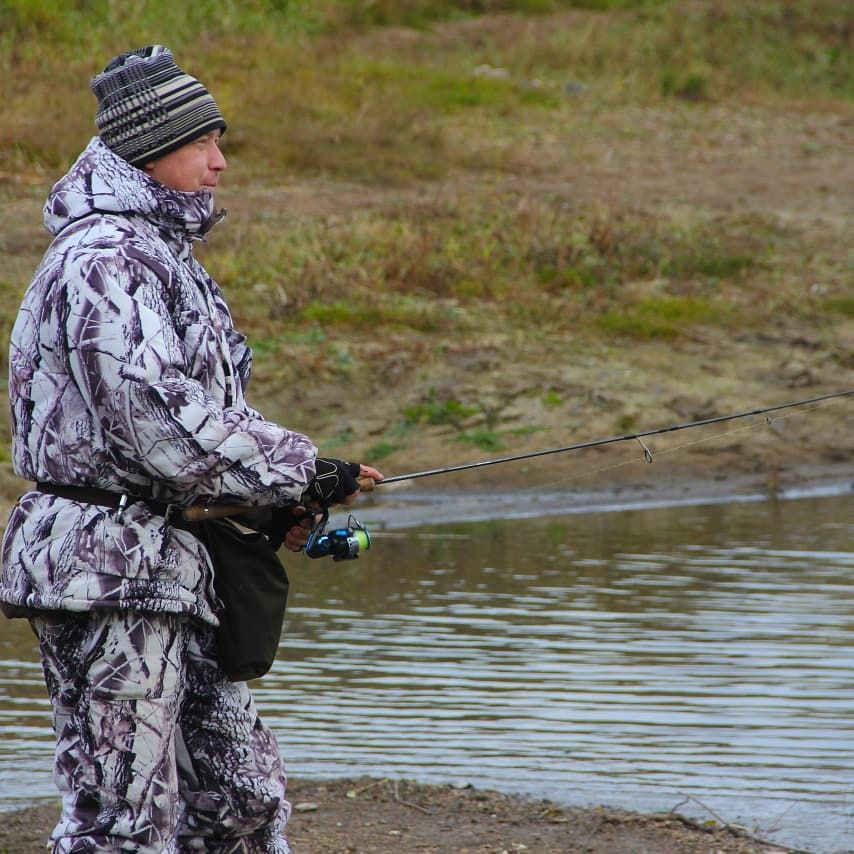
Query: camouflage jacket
(126, 373)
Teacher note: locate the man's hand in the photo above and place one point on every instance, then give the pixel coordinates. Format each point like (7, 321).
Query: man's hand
(287, 526)
(370, 472)
(297, 535)
(335, 482)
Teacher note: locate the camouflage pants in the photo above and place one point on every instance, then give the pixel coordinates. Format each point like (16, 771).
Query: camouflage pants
(155, 750)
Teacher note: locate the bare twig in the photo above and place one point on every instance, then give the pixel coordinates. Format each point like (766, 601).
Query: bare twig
(708, 809)
(354, 793)
(733, 828)
(400, 800)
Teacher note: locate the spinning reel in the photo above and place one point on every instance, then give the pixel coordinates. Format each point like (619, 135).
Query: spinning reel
(339, 543)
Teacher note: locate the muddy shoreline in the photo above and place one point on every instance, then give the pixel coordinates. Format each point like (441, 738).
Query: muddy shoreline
(382, 816)
(407, 505)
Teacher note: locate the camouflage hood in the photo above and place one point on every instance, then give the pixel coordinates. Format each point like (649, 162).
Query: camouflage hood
(102, 182)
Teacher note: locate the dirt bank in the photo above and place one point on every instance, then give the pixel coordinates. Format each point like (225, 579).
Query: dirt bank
(384, 817)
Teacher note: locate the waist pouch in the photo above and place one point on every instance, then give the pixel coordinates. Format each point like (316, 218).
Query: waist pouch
(251, 583)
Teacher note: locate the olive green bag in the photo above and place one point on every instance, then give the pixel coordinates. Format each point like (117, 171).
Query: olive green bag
(252, 585)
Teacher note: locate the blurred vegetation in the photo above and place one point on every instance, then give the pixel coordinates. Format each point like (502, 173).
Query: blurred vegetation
(391, 95)
(433, 267)
(366, 107)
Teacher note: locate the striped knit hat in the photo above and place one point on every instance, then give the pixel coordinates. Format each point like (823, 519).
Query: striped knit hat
(147, 106)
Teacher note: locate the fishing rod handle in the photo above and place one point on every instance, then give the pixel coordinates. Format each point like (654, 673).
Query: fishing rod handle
(200, 512)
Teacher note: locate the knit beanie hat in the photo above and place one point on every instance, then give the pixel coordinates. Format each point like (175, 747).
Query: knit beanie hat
(148, 107)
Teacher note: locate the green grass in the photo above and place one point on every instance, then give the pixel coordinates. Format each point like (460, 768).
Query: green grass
(663, 317)
(485, 440)
(438, 411)
(382, 449)
(843, 305)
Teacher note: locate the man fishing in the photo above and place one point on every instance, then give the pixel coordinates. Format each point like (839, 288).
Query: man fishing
(127, 387)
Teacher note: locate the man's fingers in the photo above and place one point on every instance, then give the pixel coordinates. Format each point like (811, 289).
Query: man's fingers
(369, 471)
(296, 538)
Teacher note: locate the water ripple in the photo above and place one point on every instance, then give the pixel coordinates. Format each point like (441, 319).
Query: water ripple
(629, 658)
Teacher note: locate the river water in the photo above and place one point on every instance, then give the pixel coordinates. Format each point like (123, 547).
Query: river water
(693, 656)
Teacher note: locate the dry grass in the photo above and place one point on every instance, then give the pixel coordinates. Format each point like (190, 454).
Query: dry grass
(417, 197)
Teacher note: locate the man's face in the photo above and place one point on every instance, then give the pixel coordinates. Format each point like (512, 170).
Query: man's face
(193, 167)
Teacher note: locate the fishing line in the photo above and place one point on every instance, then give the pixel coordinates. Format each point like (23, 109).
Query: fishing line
(639, 436)
(766, 422)
(645, 458)
(654, 455)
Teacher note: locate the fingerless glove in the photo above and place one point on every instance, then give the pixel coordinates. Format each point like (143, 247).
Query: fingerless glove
(333, 481)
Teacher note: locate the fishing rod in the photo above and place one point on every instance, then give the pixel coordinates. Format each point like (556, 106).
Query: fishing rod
(595, 443)
(344, 543)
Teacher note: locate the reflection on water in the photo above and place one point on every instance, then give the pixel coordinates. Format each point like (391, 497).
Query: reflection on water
(632, 659)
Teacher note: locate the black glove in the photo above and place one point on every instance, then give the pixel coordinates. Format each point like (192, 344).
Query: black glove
(285, 518)
(275, 522)
(333, 481)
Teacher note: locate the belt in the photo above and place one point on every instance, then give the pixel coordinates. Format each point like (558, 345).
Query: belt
(105, 498)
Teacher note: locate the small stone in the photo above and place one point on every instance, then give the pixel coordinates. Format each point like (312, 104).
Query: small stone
(306, 806)
(491, 71)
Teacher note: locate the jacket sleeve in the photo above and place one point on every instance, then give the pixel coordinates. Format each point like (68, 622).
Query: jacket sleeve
(157, 399)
